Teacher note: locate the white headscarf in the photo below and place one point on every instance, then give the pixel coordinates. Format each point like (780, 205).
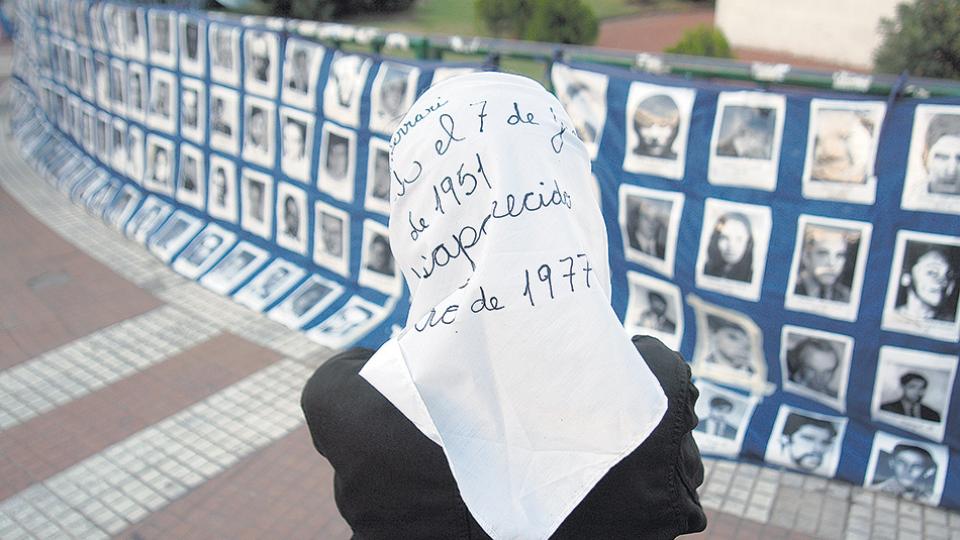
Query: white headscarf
(512, 358)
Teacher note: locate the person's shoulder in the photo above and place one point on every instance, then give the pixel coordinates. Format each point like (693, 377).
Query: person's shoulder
(337, 374)
(666, 364)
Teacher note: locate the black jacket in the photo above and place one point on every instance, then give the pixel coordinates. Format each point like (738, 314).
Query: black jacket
(391, 481)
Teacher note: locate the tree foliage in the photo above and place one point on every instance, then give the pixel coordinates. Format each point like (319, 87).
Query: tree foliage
(504, 18)
(324, 10)
(558, 21)
(704, 40)
(923, 39)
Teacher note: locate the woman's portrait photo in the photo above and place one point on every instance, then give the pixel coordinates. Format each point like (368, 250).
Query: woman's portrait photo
(745, 146)
(650, 220)
(816, 364)
(733, 248)
(393, 91)
(932, 182)
(658, 120)
(583, 95)
(338, 158)
(344, 88)
(292, 231)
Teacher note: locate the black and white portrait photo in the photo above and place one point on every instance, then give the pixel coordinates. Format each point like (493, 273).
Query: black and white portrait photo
(190, 185)
(912, 391)
(733, 248)
(806, 441)
(222, 189)
(193, 44)
(102, 84)
(305, 302)
(261, 62)
(102, 198)
(933, 167)
(348, 324)
(729, 347)
(146, 220)
(258, 129)
(117, 214)
(913, 470)
(583, 95)
(649, 221)
(224, 46)
(841, 150)
(163, 37)
(338, 158)
(829, 259)
(745, 146)
(224, 125)
(204, 251)
(193, 109)
(378, 177)
(377, 266)
(173, 235)
(724, 415)
(296, 143)
(344, 88)
(256, 194)
(118, 78)
(158, 176)
(658, 120)
(923, 290)
(118, 146)
(331, 238)
(135, 147)
(654, 309)
(134, 31)
(816, 364)
(270, 284)
(136, 92)
(393, 91)
(162, 111)
(234, 268)
(291, 212)
(301, 69)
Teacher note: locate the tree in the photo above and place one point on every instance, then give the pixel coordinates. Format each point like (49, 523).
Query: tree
(504, 18)
(562, 21)
(704, 40)
(923, 39)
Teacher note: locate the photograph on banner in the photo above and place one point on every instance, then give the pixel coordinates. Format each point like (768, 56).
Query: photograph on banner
(118, 145)
(806, 441)
(113, 24)
(654, 308)
(235, 268)
(71, 75)
(224, 125)
(932, 182)
(92, 187)
(841, 150)
(923, 290)
(649, 221)
(135, 161)
(733, 248)
(912, 390)
(78, 16)
(292, 229)
(583, 95)
(173, 235)
(261, 62)
(377, 197)
(222, 189)
(118, 79)
(301, 70)
(331, 238)
(913, 470)
(123, 207)
(256, 196)
(258, 139)
(348, 324)
(99, 200)
(816, 364)
(270, 284)
(829, 260)
(134, 26)
(338, 161)
(306, 302)
(163, 38)
(193, 109)
(393, 91)
(104, 121)
(296, 143)
(87, 76)
(158, 176)
(745, 145)
(102, 79)
(224, 45)
(75, 129)
(729, 347)
(136, 92)
(193, 45)
(162, 113)
(190, 185)
(724, 416)
(204, 251)
(344, 88)
(657, 124)
(378, 269)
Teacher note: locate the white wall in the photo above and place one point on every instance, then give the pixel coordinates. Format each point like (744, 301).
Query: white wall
(837, 31)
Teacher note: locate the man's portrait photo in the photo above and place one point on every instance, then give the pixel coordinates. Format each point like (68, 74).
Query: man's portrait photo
(922, 295)
(806, 441)
(394, 88)
(650, 220)
(348, 323)
(193, 112)
(729, 347)
(724, 415)
(224, 114)
(341, 94)
(913, 470)
(338, 149)
(841, 150)
(193, 44)
(933, 168)
(828, 265)
(816, 364)
(162, 37)
(159, 172)
(715, 423)
(654, 308)
(305, 302)
(583, 95)
(134, 147)
(912, 390)
(173, 235)
(270, 284)
(136, 91)
(261, 56)
(377, 265)
(258, 140)
(291, 218)
(235, 268)
(330, 238)
(733, 248)
(378, 177)
(190, 185)
(118, 77)
(745, 146)
(658, 120)
(256, 194)
(151, 213)
(162, 112)
(133, 28)
(296, 143)
(224, 43)
(300, 72)
(203, 251)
